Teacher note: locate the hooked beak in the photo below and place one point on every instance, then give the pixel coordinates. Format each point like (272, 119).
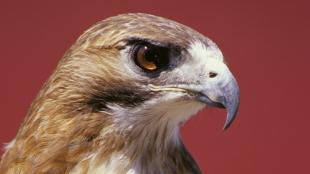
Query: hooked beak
(229, 100)
(222, 92)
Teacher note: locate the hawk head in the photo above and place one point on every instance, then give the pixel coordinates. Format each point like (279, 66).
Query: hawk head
(154, 69)
(125, 87)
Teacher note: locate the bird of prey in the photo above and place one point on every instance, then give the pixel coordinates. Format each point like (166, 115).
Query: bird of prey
(117, 99)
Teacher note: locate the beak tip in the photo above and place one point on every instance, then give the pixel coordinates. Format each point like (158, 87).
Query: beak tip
(227, 125)
(231, 115)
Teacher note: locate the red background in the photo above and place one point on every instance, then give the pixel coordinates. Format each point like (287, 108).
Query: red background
(265, 42)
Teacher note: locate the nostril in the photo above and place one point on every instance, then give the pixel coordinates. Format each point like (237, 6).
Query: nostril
(212, 74)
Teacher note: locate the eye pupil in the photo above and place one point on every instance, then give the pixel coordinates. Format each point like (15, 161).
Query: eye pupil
(151, 54)
(150, 57)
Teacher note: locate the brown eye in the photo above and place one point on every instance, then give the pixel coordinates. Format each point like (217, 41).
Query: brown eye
(145, 59)
(150, 57)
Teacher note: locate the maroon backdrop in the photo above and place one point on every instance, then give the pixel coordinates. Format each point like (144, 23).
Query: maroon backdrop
(265, 42)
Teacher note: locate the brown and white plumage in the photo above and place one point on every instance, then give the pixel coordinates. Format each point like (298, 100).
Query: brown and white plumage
(104, 110)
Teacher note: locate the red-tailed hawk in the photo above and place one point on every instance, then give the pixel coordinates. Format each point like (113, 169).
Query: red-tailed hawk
(117, 99)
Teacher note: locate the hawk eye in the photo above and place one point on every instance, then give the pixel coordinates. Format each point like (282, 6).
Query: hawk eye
(150, 57)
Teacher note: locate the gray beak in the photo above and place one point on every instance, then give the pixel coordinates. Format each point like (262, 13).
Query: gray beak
(231, 101)
(222, 92)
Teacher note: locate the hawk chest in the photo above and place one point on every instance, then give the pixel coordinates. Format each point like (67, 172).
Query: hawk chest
(115, 164)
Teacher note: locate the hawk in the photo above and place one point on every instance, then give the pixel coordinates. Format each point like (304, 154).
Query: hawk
(117, 99)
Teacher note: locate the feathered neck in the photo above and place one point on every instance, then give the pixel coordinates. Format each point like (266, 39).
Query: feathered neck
(57, 138)
(152, 137)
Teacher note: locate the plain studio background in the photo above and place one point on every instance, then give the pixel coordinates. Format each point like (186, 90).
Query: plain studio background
(266, 44)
